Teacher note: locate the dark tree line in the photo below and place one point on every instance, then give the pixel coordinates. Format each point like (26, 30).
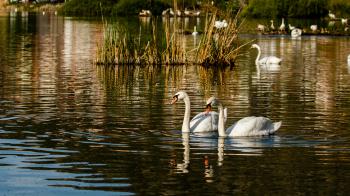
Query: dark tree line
(252, 8)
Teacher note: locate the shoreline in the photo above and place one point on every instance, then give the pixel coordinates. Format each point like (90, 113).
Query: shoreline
(30, 7)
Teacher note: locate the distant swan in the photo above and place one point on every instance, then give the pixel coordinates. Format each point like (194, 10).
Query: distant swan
(220, 24)
(283, 26)
(261, 27)
(248, 126)
(291, 27)
(331, 15)
(194, 33)
(202, 122)
(270, 60)
(313, 28)
(296, 32)
(272, 26)
(349, 60)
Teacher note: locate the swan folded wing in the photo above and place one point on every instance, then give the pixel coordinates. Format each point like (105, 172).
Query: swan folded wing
(204, 122)
(270, 60)
(253, 126)
(273, 60)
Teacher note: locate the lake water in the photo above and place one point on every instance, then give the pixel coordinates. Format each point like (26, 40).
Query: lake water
(70, 127)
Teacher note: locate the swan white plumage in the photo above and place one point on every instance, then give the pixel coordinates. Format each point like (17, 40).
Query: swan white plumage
(331, 15)
(220, 24)
(248, 126)
(194, 33)
(313, 28)
(272, 26)
(261, 27)
(203, 122)
(296, 32)
(283, 26)
(291, 27)
(266, 60)
(344, 21)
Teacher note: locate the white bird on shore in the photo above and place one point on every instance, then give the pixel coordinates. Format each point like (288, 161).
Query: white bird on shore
(331, 15)
(261, 27)
(283, 26)
(313, 28)
(344, 21)
(291, 27)
(272, 26)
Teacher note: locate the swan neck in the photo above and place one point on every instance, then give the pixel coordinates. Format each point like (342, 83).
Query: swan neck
(257, 57)
(186, 121)
(221, 123)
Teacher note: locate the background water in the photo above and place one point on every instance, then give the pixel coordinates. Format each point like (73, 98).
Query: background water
(69, 127)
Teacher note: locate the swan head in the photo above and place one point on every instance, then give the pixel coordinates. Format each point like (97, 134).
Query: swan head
(255, 46)
(179, 96)
(212, 101)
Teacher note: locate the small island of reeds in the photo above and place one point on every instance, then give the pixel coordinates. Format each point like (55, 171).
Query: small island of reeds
(216, 47)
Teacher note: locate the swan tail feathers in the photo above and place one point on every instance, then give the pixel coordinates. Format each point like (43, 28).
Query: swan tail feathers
(276, 126)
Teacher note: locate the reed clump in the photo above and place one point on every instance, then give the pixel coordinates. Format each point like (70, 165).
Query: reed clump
(217, 47)
(120, 47)
(220, 46)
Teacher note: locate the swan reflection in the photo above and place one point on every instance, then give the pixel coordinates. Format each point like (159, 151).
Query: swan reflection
(244, 146)
(182, 167)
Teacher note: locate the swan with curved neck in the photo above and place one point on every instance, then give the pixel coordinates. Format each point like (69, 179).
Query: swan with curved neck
(269, 60)
(283, 26)
(248, 126)
(203, 122)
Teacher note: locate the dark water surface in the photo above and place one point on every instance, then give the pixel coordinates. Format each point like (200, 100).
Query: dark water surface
(69, 127)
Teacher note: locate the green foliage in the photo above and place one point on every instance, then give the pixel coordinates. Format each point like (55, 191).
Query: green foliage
(295, 8)
(87, 7)
(133, 7)
(340, 7)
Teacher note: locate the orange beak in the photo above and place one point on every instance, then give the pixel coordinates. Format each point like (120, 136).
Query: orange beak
(174, 100)
(208, 109)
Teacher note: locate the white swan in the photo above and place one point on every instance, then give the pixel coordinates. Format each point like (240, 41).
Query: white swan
(349, 60)
(283, 26)
(344, 21)
(291, 27)
(331, 15)
(261, 27)
(194, 33)
(272, 26)
(248, 126)
(313, 28)
(269, 60)
(203, 122)
(220, 24)
(296, 32)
